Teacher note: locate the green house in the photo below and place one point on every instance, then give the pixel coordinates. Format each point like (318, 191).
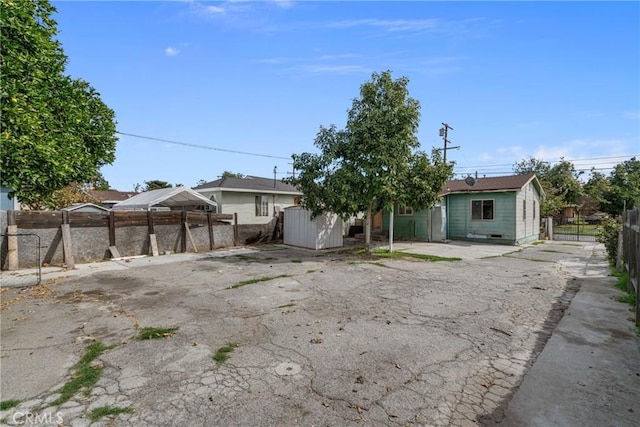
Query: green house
(503, 209)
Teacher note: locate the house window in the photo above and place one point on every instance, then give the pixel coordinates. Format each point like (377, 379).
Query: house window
(482, 210)
(405, 210)
(524, 210)
(262, 205)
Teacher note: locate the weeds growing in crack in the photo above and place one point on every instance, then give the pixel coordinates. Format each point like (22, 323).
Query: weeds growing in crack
(384, 253)
(287, 305)
(108, 411)
(8, 404)
(222, 354)
(85, 373)
(257, 280)
(156, 333)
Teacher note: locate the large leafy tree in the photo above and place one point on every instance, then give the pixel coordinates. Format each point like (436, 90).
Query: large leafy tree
(625, 183)
(559, 182)
(156, 184)
(375, 161)
(599, 188)
(55, 130)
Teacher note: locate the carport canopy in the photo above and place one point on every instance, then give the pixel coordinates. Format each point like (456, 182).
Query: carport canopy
(172, 198)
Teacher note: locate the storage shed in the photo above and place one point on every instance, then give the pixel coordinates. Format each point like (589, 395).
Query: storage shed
(322, 232)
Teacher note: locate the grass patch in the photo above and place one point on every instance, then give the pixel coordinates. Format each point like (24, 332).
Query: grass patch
(628, 298)
(269, 258)
(155, 333)
(222, 355)
(108, 411)
(552, 251)
(245, 257)
(297, 261)
(257, 280)
(384, 253)
(311, 271)
(530, 259)
(622, 281)
(8, 404)
(85, 375)
(538, 242)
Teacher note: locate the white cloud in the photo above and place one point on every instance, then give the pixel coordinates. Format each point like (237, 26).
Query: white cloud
(215, 9)
(550, 154)
(389, 24)
(285, 4)
(341, 69)
(171, 51)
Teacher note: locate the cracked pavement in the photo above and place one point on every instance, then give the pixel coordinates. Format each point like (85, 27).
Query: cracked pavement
(341, 340)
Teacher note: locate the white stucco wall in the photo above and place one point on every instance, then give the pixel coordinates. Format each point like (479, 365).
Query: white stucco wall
(243, 203)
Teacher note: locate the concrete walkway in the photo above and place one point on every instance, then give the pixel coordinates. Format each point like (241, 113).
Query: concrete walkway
(589, 371)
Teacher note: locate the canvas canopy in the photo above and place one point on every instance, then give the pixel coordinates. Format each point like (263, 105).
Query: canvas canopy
(172, 198)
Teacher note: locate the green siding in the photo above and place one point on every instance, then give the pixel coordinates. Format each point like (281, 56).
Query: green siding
(407, 226)
(461, 225)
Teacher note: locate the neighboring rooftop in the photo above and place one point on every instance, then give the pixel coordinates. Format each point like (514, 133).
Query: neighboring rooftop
(249, 183)
(496, 183)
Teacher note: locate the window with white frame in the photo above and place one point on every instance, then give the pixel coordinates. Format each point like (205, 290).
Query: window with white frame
(482, 210)
(404, 210)
(262, 205)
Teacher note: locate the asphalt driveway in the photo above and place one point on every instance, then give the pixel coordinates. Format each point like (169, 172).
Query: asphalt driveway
(312, 338)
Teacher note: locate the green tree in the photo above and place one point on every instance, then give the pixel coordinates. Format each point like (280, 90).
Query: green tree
(229, 174)
(375, 161)
(55, 129)
(625, 183)
(156, 184)
(532, 165)
(599, 188)
(565, 182)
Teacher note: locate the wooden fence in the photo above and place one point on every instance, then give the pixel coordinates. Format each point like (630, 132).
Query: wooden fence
(631, 252)
(109, 234)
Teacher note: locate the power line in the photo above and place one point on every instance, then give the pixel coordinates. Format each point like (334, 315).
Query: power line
(188, 144)
(567, 160)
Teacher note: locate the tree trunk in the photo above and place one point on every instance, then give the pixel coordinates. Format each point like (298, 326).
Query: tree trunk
(367, 230)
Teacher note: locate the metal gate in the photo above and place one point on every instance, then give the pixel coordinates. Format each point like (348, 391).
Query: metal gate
(28, 245)
(576, 232)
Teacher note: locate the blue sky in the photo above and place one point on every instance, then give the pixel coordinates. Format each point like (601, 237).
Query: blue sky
(514, 79)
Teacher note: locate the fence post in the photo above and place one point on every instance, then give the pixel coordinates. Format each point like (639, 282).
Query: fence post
(235, 229)
(12, 241)
(184, 231)
(67, 248)
(152, 235)
(210, 225)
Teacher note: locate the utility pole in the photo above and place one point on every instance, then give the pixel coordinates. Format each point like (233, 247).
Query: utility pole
(443, 133)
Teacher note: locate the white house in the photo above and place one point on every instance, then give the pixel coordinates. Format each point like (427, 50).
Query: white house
(256, 200)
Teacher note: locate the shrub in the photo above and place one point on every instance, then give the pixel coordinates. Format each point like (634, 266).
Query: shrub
(610, 228)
